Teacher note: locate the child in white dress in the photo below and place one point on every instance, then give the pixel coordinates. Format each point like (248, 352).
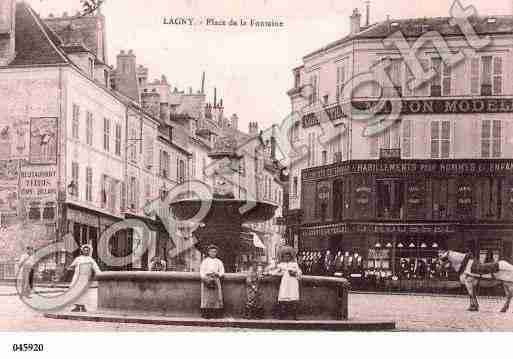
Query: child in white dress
(92, 268)
(288, 295)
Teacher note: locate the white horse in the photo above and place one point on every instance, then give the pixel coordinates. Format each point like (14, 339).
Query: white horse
(462, 264)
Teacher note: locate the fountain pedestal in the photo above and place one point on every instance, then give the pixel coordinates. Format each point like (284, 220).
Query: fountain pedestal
(222, 225)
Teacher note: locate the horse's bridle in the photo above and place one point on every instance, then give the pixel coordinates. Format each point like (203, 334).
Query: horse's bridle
(443, 260)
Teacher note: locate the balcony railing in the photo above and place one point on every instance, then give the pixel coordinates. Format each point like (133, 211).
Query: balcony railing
(386, 153)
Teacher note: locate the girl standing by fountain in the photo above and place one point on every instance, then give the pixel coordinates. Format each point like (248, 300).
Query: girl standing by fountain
(84, 258)
(211, 271)
(288, 295)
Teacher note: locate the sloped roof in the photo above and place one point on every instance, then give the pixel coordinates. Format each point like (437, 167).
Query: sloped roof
(415, 27)
(191, 105)
(77, 29)
(34, 44)
(502, 24)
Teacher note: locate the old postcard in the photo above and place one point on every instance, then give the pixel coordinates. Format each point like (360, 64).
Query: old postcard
(255, 166)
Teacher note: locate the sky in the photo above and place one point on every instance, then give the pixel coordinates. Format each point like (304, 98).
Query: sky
(250, 67)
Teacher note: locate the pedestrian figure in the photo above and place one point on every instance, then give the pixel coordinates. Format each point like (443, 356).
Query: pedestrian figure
(211, 272)
(288, 295)
(157, 264)
(254, 307)
(89, 268)
(27, 268)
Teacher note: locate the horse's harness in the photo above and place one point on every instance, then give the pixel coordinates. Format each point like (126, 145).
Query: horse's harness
(478, 268)
(464, 264)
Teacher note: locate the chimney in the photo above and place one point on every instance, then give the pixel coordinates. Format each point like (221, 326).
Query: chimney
(126, 75)
(355, 21)
(150, 102)
(203, 83)
(234, 120)
(7, 33)
(215, 97)
(253, 128)
(367, 13)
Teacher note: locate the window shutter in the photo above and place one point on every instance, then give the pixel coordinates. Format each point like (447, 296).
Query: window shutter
(496, 133)
(446, 80)
(497, 75)
(486, 78)
(123, 196)
(485, 138)
(423, 90)
(436, 64)
(409, 82)
(435, 137)
(406, 150)
(474, 76)
(446, 139)
(386, 138)
(75, 177)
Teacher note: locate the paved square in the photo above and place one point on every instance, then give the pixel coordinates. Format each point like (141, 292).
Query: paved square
(411, 312)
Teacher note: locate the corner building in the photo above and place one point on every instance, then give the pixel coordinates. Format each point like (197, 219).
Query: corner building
(439, 176)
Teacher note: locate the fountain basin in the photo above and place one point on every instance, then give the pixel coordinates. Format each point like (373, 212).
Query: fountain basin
(177, 294)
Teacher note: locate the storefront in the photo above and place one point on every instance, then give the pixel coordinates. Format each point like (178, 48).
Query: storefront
(391, 218)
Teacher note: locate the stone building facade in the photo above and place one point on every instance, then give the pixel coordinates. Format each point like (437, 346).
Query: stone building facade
(385, 195)
(84, 145)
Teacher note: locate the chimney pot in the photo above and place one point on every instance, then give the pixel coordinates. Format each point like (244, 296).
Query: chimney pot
(367, 13)
(50, 15)
(355, 21)
(122, 52)
(64, 14)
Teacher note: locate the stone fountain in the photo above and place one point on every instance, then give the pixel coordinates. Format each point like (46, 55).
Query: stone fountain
(223, 225)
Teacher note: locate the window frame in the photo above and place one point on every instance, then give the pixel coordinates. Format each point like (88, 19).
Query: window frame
(106, 134)
(493, 140)
(440, 141)
(75, 122)
(89, 128)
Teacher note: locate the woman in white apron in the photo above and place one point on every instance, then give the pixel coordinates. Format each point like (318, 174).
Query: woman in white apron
(288, 295)
(90, 267)
(211, 272)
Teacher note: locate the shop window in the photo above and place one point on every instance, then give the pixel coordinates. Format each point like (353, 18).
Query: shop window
(490, 201)
(390, 194)
(338, 199)
(49, 211)
(417, 258)
(34, 211)
(440, 200)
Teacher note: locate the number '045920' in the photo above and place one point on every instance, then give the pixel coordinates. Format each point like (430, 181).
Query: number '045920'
(27, 347)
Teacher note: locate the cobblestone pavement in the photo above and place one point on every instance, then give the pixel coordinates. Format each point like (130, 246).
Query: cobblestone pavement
(431, 313)
(411, 312)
